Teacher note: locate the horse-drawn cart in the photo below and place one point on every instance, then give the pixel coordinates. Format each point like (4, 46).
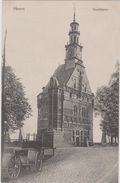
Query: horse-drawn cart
(28, 154)
(25, 153)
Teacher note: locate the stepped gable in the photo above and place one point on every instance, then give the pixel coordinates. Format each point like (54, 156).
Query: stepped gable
(86, 81)
(63, 74)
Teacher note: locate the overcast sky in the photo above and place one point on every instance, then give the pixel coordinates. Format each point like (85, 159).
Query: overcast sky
(38, 31)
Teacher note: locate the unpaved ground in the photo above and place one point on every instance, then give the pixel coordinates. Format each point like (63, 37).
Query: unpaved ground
(77, 165)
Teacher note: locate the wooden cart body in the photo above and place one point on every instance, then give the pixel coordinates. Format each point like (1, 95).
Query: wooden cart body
(26, 154)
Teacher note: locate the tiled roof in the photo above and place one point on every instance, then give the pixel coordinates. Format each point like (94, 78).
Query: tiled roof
(63, 74)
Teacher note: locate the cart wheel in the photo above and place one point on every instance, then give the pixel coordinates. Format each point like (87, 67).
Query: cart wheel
(38, 162)
(11, 166)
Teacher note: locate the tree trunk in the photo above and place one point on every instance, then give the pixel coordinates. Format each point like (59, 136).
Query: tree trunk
(115, 140)
(103, 137)
(111, 139)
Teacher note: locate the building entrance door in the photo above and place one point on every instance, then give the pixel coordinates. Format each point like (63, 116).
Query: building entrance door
(77, 141)
(85, 141)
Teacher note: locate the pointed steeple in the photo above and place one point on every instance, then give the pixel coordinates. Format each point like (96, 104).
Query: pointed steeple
(74, 32)
(73, 47)
(74, 15)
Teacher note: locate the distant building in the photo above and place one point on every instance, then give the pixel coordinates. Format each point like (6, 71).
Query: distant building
(65, 105)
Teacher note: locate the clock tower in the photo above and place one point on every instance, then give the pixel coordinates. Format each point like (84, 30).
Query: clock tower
(73, 48)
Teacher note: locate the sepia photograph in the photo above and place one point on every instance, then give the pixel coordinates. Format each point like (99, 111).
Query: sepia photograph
(60, 91)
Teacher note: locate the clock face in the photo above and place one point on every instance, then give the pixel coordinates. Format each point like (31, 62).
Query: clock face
(74, 52)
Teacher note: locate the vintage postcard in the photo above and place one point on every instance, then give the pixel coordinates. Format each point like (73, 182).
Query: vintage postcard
(60, 91)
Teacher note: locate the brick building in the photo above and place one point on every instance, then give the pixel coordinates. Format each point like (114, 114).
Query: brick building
(65, 106)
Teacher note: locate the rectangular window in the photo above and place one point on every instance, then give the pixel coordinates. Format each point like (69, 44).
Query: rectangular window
(73, 132)
(87, 113)
(84, 112)
(70, 95)
(67, 118)
(74, 83)
(88, 133)
(81, 135)
(75, 109)
(73, 138)
(75, 120)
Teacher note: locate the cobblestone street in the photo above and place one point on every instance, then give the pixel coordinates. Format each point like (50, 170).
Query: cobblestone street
(77, 165)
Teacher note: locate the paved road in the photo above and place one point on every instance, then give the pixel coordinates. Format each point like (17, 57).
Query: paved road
(77, 165)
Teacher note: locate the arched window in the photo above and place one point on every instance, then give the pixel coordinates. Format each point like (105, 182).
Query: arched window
(74, 39)
(72, 27)
(77, 40)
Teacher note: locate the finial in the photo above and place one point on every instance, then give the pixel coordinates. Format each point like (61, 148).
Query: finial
(74, 12)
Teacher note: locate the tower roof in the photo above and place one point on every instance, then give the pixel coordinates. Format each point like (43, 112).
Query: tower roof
(63, 74)
(74, 15)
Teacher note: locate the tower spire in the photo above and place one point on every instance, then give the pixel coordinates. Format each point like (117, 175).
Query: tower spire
(74, 15)
(73, 48)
